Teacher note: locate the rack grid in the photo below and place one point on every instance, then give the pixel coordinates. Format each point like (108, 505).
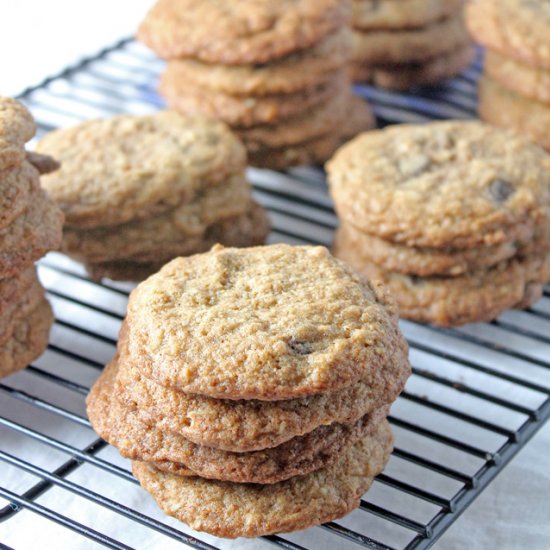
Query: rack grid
(477, 394)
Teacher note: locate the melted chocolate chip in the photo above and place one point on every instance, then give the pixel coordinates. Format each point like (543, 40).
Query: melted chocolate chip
(299, 347)
(501, 190)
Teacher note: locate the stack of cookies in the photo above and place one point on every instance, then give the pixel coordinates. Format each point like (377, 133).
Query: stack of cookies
(454, 217)
(139, 191)
(276, 72)
(515, 91)
(398, 45)
(251, 388)
(30, 226)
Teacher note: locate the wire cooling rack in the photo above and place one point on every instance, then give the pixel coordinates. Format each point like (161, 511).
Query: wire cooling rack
(477, 394)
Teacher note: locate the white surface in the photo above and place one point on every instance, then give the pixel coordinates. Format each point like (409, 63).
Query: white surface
(39, 38)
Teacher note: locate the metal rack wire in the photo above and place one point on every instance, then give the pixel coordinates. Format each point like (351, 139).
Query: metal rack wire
(477, 394)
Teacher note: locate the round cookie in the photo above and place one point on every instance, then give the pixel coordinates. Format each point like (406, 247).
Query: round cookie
(392, 15)
(476, 296)
(240, 111)
(235, 510)
(410, 46)
(509, 110)
(239, 33)
(119, 424)
(444, 184)
(37, 231)
(28, 341)
(269, 323)
(519, 78)
(16, 128)
(405, 76)
(299, 71)
(515, 28)
(16, 186)
(106, 179)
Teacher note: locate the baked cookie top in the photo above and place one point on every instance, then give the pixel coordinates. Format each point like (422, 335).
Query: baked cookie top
(515, 28)
(455, 184)
(16, 186)
(239, 33)
(123, 168)
(16, 128)
(267, 323)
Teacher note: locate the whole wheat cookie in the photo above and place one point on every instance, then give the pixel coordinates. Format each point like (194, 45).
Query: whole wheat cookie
(12, 289)
(443, 184)
(106, 179)
(519, 29)
(119, 424)
(411, 45)
(390, 15)
(510, 110)
(16, 186)
(189, 98)
(475, 296)
(299, 71)
(235, 510)
(269, 323)
(34, 233)
(239, 33)
(28, 341)
(16, 128)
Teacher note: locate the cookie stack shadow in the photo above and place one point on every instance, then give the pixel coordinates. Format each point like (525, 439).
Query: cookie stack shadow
(514, 91)
(270, 418)
(276, 72)
(30, 226)
(398, 45)
(453, 217)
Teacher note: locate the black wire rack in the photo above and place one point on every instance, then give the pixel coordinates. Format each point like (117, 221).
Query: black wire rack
(476, 396)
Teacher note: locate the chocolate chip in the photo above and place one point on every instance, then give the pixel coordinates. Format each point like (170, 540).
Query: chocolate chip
(501, 190)
(300, 347)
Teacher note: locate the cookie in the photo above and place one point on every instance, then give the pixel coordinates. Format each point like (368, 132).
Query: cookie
(12, 289)
(105, 179)
(269, 323)
(122, 270)
(239, 33)
(34, 233)
(16, 128)
(412, 45)
(187, 222)
(295, 72)
(43, 163)
(425, 262)
(119, 424)
(240, 111)
(407, 75)
(390, 15)
(514, 28)
(235, 510)
(16, 186)
(444, 184)
(509, 110)
(475, 296)
(28, 341)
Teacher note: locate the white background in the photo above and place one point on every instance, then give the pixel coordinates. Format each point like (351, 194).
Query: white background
(38, 38)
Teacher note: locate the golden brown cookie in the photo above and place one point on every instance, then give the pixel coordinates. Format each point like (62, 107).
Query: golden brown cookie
(411, 45)
(274, 322)
(246, 111)
(519, 29)
(28, 341)
(443, 184)
(34, 233)
(118, 422)
(106, 179)
(239, 33)
(391, 15)
(235, 510)
(16, 128)
(512, 111)
(299, 71)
